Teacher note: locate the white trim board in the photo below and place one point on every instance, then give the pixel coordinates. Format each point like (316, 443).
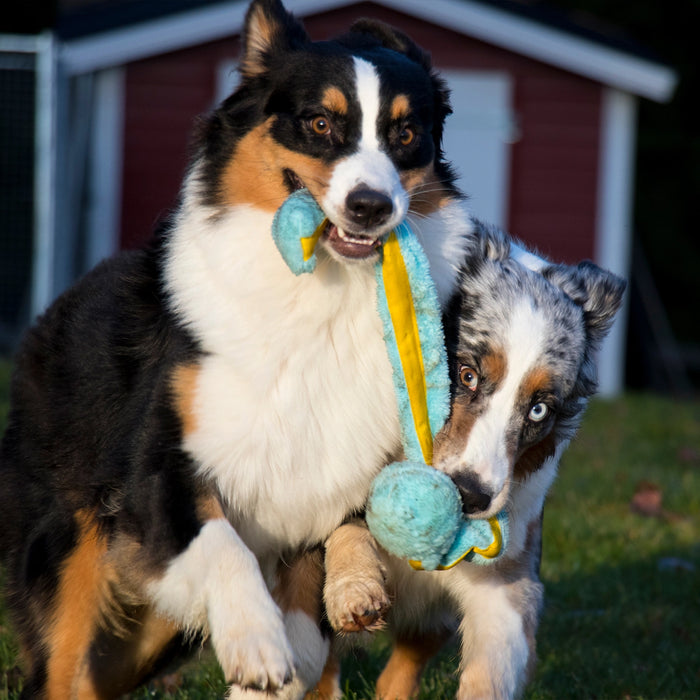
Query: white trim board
(107, 140)
(532, 39)
(613, 240)
(44, 234)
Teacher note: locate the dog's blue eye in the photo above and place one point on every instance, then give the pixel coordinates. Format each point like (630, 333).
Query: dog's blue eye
(538, 412)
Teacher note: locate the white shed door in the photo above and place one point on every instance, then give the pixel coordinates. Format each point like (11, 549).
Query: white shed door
(477, 139)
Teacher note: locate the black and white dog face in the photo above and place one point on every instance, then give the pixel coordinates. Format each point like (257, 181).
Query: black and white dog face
(357, 120)
(521, 346)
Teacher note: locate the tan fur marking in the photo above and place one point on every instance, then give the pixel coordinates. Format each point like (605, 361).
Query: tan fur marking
(494, 366)
(400, 107)
(82, 594)
(260, 37)
(252, 176)
(335, 101)
(453, 437)
(401, 676)
(300, 584)
(329, 683)
(255, 173)
(425, 190)
(184, 384)
(125, 662)
(155, 632)
(534, 457)
(537, 380)
(209, 508)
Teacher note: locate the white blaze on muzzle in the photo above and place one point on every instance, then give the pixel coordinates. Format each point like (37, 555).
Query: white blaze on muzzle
(369, 167)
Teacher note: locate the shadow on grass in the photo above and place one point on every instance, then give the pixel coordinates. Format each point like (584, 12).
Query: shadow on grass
(624, 631)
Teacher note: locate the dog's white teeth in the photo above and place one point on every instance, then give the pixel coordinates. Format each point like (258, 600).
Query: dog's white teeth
(362, 240)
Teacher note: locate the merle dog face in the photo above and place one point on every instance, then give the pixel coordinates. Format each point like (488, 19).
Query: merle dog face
(521, 347)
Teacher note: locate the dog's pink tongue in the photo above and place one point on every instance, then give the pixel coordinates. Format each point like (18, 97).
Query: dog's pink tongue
(356, 247)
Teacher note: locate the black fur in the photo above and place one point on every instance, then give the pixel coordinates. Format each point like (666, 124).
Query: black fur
(91, 427)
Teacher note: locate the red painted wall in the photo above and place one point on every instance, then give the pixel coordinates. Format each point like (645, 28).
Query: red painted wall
(164, 97)
(554, 165)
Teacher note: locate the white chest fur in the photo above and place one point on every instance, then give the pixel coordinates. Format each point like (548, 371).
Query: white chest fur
(295, 409)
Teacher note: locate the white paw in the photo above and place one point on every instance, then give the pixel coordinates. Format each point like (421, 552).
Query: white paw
(357, 603)
(292, 691)
(249, 639)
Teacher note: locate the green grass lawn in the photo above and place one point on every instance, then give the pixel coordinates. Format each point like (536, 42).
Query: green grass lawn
(622, 612)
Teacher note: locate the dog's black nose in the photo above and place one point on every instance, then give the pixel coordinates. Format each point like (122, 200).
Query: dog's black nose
(476, 498)
(368, 208)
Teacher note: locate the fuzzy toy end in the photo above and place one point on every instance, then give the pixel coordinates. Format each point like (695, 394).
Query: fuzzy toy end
(415, 513)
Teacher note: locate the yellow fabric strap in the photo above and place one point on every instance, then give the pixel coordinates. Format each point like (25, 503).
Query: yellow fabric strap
(308, 244)
(494, 549)
(403, 317)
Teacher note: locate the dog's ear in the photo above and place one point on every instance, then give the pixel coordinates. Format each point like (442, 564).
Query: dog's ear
(598, 292)
(268, 29)
(394, 39)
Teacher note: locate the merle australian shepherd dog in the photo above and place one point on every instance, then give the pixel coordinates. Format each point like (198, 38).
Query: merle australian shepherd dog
(522, 347)
(186, 416)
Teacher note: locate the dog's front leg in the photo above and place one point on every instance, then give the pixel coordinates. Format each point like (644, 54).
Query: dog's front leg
(356, 592)
(498, 639)
(215, 586)
(298, 591)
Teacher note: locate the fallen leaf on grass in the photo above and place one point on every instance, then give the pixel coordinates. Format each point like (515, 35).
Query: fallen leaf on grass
(648, 502)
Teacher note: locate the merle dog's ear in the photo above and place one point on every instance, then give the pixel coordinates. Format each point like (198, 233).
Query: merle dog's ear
(598, 292)
(268, 29)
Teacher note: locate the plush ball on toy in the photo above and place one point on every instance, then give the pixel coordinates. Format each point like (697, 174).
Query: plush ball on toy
(415, 512)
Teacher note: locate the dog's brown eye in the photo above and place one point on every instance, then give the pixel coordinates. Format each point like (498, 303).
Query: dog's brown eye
(407, 136)
(321, 126)
(469, 377)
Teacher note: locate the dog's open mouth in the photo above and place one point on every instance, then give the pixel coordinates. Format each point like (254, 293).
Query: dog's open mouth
(350, 245)
(354, 246)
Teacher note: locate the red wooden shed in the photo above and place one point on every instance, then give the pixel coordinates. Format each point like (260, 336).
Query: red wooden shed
(543, 132)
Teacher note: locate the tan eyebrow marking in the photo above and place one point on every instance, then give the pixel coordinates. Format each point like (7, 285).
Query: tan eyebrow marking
(335, 101)
(400, 107)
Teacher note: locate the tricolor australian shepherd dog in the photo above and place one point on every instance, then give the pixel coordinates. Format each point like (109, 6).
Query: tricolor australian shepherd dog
(522, 353)
(186, 416)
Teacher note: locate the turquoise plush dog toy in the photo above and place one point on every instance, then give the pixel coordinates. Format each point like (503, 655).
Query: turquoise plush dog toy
(414, 511)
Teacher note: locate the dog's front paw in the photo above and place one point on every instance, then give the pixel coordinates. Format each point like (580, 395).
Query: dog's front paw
(357, 603)
(252, 647)
(296, 690)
